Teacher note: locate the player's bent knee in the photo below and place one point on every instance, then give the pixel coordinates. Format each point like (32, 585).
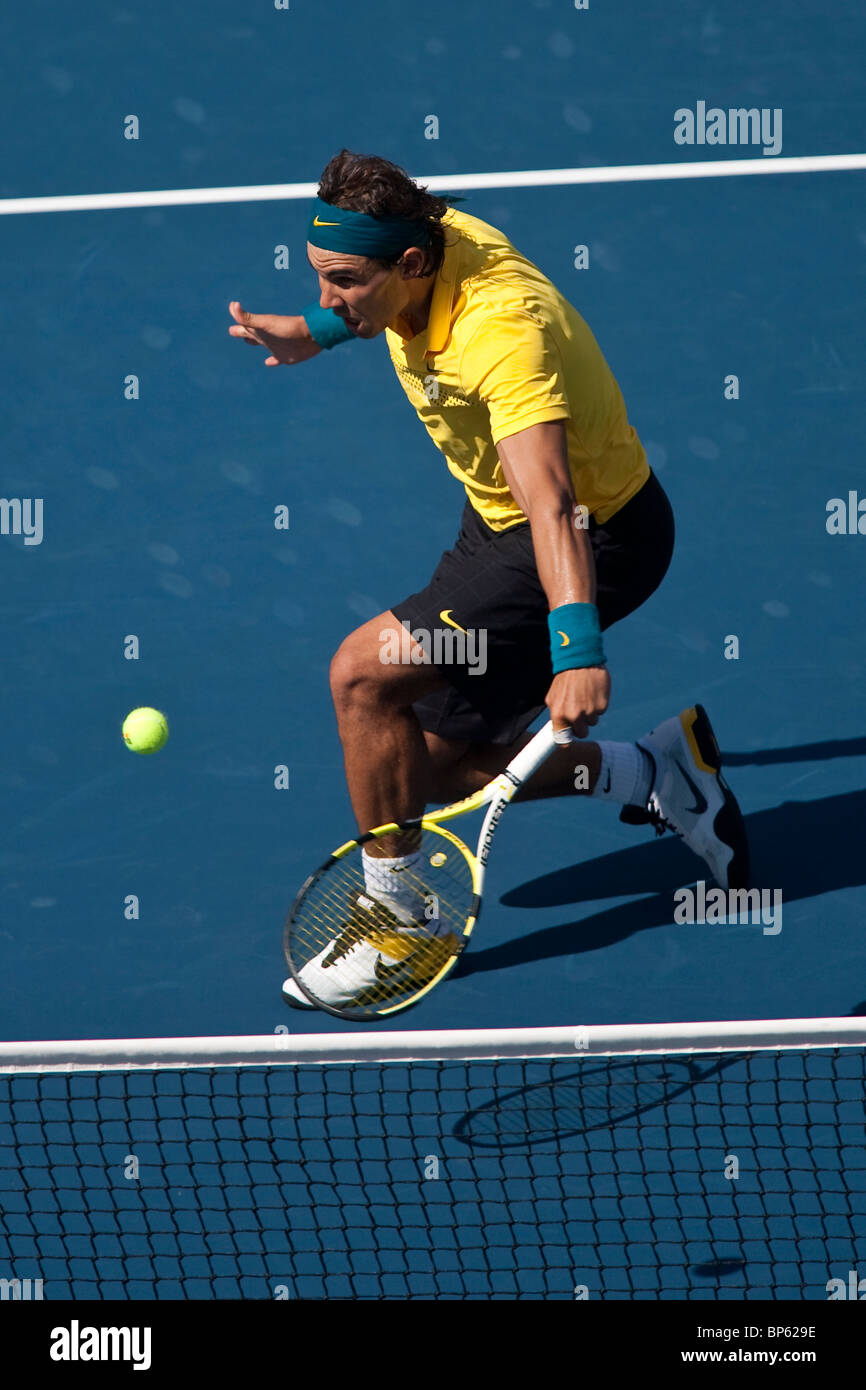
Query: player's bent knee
(353, 676)
(358, 674)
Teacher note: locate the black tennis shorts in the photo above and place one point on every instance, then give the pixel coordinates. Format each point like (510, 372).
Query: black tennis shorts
(483, 616)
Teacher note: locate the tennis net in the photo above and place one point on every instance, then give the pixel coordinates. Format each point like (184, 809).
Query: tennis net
(685, 1161)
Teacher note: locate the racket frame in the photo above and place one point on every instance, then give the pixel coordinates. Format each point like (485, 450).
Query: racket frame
(496, 796)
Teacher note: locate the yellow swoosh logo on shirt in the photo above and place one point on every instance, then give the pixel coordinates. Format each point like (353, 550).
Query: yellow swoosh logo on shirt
(566, 640)
(445, 615)
(318, 223)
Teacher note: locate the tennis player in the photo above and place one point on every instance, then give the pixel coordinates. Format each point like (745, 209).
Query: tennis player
(565, 531)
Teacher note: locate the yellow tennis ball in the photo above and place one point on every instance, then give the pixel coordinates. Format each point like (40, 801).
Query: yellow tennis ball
(145, 730)
(438, 859)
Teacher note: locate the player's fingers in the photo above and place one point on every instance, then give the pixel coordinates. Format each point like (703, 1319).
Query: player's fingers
(273, 362)
(255, 323)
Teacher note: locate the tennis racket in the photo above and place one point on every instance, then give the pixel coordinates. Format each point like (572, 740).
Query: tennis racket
(342, 949)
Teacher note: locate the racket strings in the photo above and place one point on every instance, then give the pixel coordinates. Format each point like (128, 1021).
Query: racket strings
(381, 962)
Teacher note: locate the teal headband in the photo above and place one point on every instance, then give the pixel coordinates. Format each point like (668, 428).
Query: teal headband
(359, 234)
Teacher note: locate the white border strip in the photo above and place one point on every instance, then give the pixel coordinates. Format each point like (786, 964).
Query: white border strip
(527, 178)
(285, 1049)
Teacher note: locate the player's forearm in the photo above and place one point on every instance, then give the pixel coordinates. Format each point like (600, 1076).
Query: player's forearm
(536, 468)
(563, 555)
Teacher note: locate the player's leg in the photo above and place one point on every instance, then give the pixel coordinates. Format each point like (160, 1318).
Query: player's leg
(568, 771)
(620, 772)
(377, 674)
(670, 778)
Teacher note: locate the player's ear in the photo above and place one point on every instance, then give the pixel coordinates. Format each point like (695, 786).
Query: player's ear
(411, 263)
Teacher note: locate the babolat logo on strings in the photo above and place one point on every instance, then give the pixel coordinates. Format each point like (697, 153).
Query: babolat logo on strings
(737, 126)
(22, 516)
(77, 1343)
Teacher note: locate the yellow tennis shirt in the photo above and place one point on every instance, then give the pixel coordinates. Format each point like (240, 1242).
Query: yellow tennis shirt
(504, 350)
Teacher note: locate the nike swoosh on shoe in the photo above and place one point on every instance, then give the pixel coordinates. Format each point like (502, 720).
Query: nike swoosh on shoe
(385, 973)
(700, 800)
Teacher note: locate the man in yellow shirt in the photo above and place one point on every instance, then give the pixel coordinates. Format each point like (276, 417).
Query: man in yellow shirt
(565, 531)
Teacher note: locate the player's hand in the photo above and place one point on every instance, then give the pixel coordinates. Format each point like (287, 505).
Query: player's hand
(579, 698)
(286, 336)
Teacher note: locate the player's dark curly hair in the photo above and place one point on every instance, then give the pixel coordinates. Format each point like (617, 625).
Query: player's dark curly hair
(368, 183)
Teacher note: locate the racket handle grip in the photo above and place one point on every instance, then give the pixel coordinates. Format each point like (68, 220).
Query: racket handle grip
(534, 754)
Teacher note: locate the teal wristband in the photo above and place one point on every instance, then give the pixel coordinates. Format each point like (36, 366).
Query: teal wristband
(326, 327)
(575, 637)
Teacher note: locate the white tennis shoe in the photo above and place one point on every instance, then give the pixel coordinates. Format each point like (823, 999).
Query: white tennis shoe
(294, 996)
(373, 958)
(690, 797)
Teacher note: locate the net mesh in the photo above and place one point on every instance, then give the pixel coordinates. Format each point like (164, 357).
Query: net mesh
(736, 1175)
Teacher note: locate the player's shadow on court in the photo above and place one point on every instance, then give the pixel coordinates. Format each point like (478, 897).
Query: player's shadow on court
(803, 847)
(800, 753)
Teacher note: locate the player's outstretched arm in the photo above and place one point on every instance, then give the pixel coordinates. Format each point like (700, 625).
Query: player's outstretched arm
(287, 337)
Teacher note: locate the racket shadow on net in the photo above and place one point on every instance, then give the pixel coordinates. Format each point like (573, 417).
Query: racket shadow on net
(577, 1097)
(349, 957)
(557, 1113)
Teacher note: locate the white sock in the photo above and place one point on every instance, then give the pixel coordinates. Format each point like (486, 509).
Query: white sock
(397, 884)
(626, 774)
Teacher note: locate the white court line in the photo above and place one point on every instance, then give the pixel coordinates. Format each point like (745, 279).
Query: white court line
(527, 178)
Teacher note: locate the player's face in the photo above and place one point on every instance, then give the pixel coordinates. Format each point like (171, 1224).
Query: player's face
(365, 295)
